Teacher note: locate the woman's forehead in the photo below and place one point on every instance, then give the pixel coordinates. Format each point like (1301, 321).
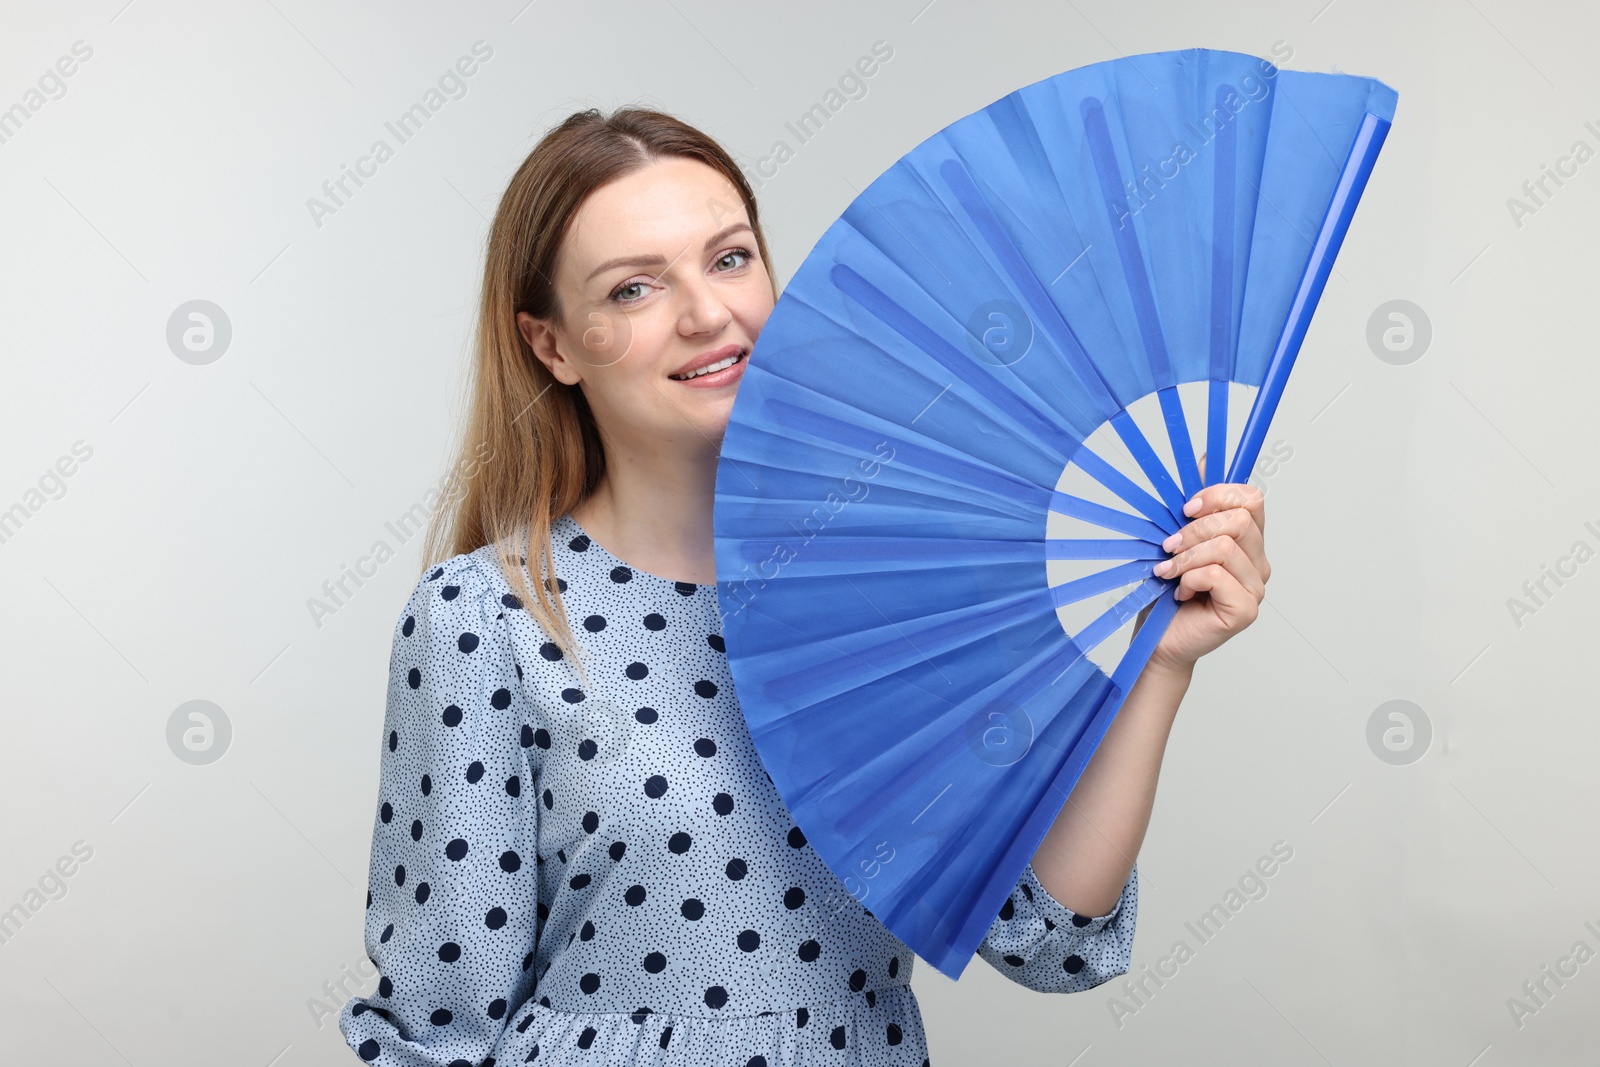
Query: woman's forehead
(657, 210)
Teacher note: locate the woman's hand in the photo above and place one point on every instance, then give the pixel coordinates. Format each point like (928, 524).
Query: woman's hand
(1222, 570)
(1221, 565)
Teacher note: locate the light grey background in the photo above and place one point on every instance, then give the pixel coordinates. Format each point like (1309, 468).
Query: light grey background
(176, 562)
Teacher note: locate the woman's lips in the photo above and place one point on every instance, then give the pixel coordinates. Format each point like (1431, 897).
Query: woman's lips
(714, 379)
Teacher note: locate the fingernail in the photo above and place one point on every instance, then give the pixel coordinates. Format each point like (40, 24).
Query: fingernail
(1172, 542)
(1163, 567)
(1193, 505)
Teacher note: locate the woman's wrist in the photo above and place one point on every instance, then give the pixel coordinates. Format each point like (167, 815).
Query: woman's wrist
(1171, 670)
(1160, 689)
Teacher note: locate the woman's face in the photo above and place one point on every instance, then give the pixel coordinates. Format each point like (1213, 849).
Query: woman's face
(658, 276)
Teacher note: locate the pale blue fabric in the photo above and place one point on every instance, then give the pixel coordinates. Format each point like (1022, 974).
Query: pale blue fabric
(568, 871)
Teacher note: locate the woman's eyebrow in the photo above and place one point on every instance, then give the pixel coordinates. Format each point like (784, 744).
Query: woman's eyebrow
(650, 261)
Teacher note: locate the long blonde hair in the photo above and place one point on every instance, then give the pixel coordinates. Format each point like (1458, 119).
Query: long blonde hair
(530, 451)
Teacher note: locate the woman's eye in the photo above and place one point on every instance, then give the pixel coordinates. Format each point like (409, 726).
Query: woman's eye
(633, 292)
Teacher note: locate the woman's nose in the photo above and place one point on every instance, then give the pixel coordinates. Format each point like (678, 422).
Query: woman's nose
(704, 311)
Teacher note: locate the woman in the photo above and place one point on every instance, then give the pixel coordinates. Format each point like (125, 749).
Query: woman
(578, 857)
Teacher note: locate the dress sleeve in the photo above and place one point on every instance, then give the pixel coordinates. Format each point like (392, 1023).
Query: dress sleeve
(1039, 942)
(452, 896)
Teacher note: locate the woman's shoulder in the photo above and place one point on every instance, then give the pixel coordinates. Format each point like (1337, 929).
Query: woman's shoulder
(452, 587)
(482, 579)
(483, 569)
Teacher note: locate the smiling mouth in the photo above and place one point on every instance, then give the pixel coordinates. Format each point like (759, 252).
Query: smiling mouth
(712, 368)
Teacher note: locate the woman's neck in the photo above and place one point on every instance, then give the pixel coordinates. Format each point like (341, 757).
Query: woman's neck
(653, 511)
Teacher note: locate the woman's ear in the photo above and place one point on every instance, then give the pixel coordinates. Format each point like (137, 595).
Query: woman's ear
(541, 338)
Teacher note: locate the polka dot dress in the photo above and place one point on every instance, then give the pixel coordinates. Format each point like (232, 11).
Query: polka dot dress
(597, 869)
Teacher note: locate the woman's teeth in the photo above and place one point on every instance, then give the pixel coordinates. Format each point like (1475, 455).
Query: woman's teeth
(710, 368)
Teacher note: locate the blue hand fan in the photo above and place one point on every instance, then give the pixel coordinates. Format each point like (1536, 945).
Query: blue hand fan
(971, 340)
